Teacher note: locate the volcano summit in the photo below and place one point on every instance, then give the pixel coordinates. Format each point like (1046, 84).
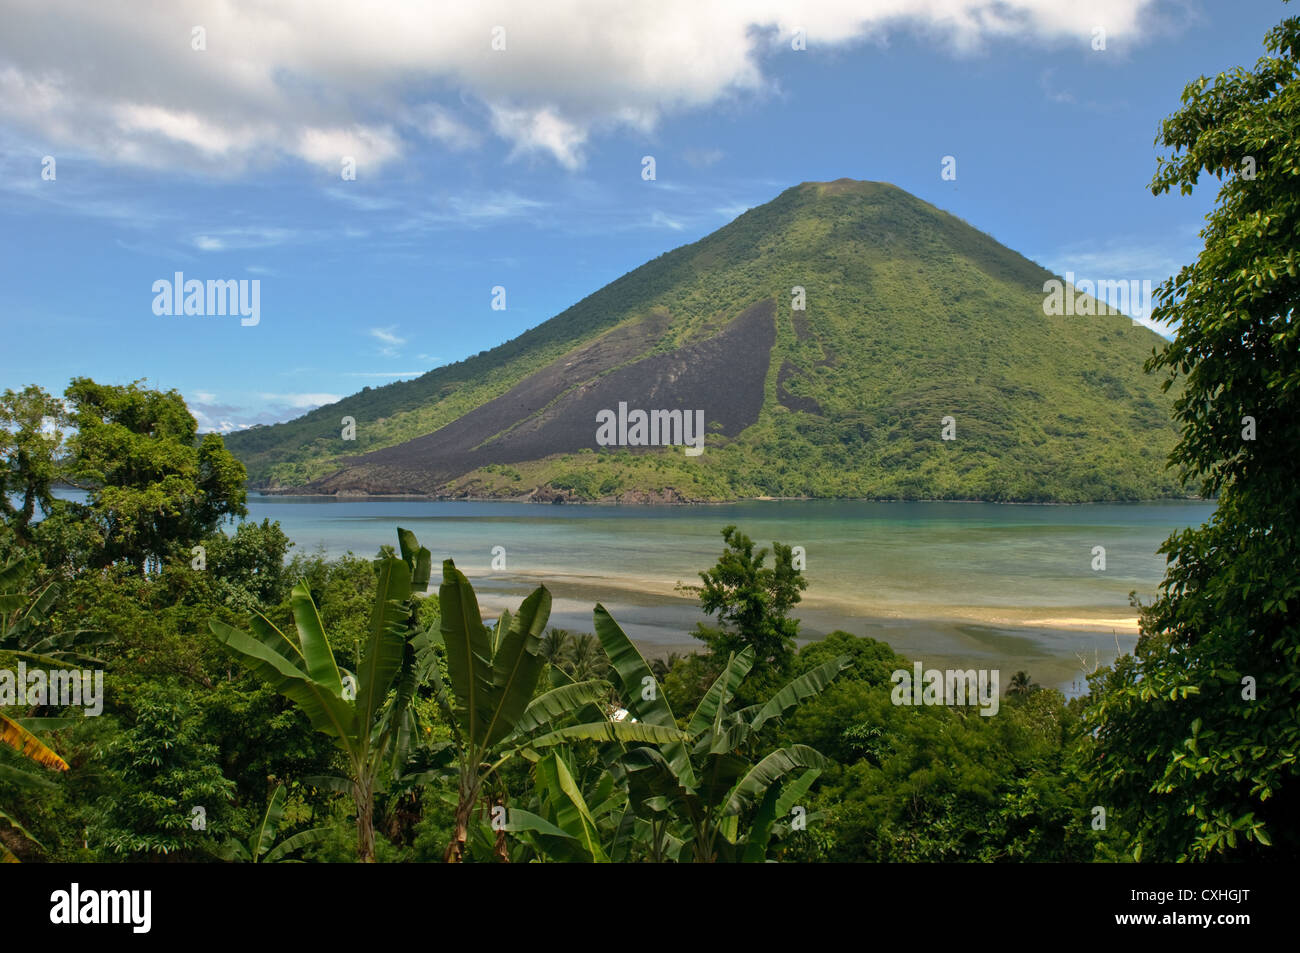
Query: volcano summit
(825, 335)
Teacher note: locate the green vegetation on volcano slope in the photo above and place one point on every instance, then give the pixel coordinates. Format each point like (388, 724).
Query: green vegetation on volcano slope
(912, 315)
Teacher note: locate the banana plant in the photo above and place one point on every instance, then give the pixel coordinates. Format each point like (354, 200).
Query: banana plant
(490, 701)
(25, 602)
(13, 734)
(689, 798)
(565, 820)
(261, 847)
(368, 726)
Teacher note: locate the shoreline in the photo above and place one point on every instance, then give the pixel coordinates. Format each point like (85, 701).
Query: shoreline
(563, 501)
(1058, 650)
(657, 591)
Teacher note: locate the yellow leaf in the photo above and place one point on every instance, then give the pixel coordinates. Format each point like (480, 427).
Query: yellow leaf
(25, 743)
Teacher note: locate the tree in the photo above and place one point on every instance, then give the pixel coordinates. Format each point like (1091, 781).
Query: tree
(261, 847)
(689, 797)
(250, 564)
(31, 443)
(154, 486)
(160, 766)
(1197, 733)
(586, 659)
(751, 602)
(1021, 684)
(368, 727)
(555, 646)
(491, 705)
(660, 667)
(14, 735)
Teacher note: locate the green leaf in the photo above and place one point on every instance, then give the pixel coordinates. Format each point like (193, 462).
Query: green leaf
(559, 703)
(21, 830)
(779, 800)
(264, 834)
(321, 667)
(417, 558)
(517, 666)
(714, 702)
(610, 731)
(571, 810)
(770, 770)
(327, 782)
(633, 674)
(810, 683)
(469, 661)
(325, 709)
(385, 642)
(634, 681)
(295, 842)
(518, 821)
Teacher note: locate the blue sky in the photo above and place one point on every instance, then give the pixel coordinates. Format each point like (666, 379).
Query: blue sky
(521, 167)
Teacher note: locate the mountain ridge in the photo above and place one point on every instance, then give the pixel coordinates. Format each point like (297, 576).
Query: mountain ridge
(911, 316)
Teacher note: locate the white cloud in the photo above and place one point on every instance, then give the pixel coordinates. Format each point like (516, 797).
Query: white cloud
(307, 401)
(384, 375)
(660, 219)
(317, 81)
(265, 409)
(255, 236)
(541, 130)
(493, 205)
(391, 344)
(702, 158)
(1120, 259)
(439, 124)
(367, 147)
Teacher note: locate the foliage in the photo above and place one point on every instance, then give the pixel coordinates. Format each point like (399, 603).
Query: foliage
(32, 425)
(155, 487)
(751, 602)
(261, 846)
(370, 729)
(690, 796)
(489, 696)
(1197, 734)
(161, 767)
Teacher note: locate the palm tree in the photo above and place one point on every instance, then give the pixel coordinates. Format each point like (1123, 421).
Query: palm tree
(556, 647)
(587, 660)
(1020, 684)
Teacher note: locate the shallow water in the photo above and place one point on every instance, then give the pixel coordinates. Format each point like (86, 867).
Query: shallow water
(972, 584)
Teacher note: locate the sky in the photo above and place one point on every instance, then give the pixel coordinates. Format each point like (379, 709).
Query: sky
(501, 145)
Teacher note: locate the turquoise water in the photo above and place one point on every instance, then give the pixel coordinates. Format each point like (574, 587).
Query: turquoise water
(966, 582)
